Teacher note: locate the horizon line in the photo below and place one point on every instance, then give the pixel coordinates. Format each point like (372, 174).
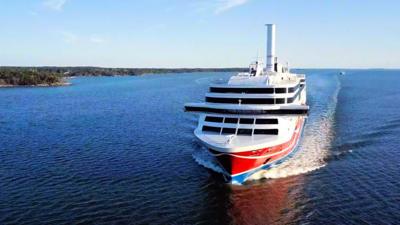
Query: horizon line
(227, 67)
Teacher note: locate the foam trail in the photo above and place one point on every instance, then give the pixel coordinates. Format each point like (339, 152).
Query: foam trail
(314, 147)
(309, 157)
(203, 157)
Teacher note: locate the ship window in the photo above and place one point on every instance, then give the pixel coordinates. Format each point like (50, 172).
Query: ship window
(231, 120)
(303, 80)
(280, 90)
(280, 101)
(211, 129)
(244, 132)
(246, 120)
(258, 101)
(292, 99)
(222, 100)
(263, 91)
(214, 119)
(228, 130)
(266, 131)
(293, 89)
(267, 121)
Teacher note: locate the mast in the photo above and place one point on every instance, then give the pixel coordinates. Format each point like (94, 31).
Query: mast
(270, 47)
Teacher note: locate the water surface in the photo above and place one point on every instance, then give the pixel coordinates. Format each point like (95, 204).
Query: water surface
(120, 150)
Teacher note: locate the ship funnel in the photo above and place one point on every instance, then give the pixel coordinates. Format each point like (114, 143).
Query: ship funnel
(270, 47)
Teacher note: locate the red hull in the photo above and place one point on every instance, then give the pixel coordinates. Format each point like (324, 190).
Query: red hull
(242, 162)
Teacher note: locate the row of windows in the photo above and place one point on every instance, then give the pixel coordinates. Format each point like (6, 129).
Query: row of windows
(267, 101)
(254, 90)
(248, 111)
(240, 131)
(242, 120)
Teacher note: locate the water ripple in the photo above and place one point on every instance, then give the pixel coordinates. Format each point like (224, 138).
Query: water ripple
(120, 151)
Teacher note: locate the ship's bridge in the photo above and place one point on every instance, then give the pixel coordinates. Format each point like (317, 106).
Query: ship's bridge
(270, 78)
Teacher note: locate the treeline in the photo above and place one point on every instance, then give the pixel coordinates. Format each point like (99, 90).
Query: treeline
(54, 75)
(100, 71)
(23, 76)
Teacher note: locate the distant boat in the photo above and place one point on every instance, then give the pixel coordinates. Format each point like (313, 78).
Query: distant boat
(254, 121)
(342, 73)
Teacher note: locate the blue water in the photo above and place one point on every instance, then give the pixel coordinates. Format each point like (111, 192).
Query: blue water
(120, 150)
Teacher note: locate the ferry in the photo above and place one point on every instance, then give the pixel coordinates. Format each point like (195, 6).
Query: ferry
(255, 120)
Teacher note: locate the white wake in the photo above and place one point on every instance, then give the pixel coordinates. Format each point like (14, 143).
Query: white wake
(314, 146)
(204, 158)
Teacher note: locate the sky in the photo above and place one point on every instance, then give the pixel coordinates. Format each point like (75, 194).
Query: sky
(199, 33)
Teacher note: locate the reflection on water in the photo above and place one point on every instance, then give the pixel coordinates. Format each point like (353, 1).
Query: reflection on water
(270, 202)
(278, 201)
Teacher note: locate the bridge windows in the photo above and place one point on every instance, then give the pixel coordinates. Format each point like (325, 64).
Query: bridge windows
(211, 129)
(280, 90)
(231, 120)
(226, 130)
(246, 121)
(214, 119)
(247, 132)
(241, 131)
(266, 121)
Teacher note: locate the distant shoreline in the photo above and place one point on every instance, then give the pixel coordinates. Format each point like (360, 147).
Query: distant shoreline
(55, 76)
(36, 85)
(17, 76)
(104, 71)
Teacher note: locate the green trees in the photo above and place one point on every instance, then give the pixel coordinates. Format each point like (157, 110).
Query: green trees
(55, 75)
(23, 76)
